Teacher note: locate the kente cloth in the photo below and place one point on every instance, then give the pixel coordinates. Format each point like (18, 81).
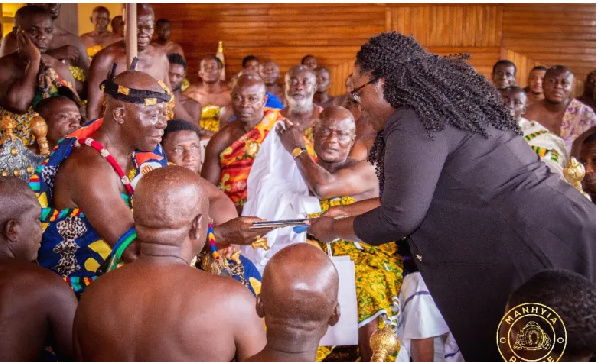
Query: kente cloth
(185, 84)
(276, 190)
(550, 147)
(237, 159)
(378, 272)
(91, 51)
(48, 83)
(77, 73)
(210, 118)
(577, 119)
(70, 246)
(239, 268)
(420, 318)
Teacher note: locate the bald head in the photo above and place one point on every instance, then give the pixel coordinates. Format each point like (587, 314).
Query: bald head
(248, 98)
(300, 290)
(169, 198)
(15, 197)
(335, 132)
(144, 10)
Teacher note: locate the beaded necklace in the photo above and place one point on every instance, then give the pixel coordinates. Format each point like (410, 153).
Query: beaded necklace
(111, 160)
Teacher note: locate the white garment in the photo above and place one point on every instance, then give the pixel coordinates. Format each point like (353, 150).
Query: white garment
(547, 140)
(420, 318)
(276, 191)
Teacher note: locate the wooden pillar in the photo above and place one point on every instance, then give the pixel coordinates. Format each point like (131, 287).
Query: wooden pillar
(130, 32)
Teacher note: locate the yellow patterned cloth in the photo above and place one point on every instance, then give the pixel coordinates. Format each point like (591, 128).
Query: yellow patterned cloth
(378, 277)
(91, 51)
(77, 73)
(185, 84)
(210, 118)
(378, 272)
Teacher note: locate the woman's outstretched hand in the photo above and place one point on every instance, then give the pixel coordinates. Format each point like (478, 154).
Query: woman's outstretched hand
(322, 229)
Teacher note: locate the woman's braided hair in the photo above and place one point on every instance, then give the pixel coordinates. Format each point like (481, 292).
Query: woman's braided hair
(441, 90)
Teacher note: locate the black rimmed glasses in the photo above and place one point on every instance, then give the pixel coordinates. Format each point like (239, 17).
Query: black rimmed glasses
(354, 92)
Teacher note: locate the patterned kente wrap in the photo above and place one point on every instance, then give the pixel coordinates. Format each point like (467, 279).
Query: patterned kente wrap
(70, 246)
(237, 159)
(210, 118)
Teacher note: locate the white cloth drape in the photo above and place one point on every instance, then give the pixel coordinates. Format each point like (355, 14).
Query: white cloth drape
(276, 191)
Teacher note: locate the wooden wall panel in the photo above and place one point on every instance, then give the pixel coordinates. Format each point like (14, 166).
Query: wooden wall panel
(553, 34)
(282, 32)
(528, 33)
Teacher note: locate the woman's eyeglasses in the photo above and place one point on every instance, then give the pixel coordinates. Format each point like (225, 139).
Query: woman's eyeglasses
(354, 92)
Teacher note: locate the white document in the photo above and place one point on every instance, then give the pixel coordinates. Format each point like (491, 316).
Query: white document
(345, 332)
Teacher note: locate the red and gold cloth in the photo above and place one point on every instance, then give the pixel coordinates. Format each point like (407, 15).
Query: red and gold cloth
(237, 159)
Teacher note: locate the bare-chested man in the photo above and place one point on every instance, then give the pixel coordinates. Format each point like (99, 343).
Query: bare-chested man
(36, 306)
(20, 86)
(560, 114)
(94, 171)
(150, 60)
(211, 92)
(185, 107)
(228, 160)
(118, 26)
(162, 42)
(185, 314)
(64, 45)
(336, 179)
(322, 97)
(269, 71)
(100, 37)
(535, 91)
(299, 301)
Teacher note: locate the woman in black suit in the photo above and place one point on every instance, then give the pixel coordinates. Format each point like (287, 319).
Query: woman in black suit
(481, 211)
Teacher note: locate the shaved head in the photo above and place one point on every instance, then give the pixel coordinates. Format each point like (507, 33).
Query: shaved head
(299, 291)
(144, 9)
(171, 211)
(15, 197)
(169, 198)
(335, 132)
(337, 114)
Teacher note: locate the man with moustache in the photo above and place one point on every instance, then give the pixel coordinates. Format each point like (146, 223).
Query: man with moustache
(150, 60)
(560, 114)
(29, 75)
(86, 186)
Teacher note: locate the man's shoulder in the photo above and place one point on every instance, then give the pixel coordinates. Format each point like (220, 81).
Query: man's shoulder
(9, 60)
(29, 277)
(85, 166)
